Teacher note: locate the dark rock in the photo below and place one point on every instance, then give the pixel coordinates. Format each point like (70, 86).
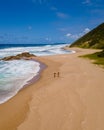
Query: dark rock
(24, 55)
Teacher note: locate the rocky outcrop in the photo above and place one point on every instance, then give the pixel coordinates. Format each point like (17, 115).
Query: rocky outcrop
(24, 55)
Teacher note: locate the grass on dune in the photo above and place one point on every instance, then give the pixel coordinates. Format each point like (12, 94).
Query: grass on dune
(98, 58)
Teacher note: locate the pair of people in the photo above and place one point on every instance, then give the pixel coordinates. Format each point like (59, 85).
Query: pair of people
(57, 74)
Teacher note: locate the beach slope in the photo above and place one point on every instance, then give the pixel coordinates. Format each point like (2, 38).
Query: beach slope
(72, 101)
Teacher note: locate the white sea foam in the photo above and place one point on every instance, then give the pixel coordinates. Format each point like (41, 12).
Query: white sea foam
(14, 75)
(39, 51)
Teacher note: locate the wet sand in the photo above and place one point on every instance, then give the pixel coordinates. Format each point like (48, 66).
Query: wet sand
(73, 101)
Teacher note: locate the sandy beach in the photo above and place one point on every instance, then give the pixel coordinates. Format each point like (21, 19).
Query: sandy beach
(72, 101)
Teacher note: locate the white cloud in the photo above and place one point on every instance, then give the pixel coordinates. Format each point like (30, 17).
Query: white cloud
(86, 2)
(62, 15)
(86, 30)
(29, 27)
(48, 39)
(53, 8)
(68, 34)
(72, 36)
(76, 36)
(63, 29)
(39, 1)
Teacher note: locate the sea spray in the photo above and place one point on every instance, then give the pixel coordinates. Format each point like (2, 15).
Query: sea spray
(14, 75)
(36, 50)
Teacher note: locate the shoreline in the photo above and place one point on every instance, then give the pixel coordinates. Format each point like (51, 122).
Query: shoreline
(19, 104)
(35, 78)
(67, 102)
(31, 81)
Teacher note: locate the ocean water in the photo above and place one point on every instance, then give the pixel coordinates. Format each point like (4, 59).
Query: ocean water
(15, 74)
(39, 50)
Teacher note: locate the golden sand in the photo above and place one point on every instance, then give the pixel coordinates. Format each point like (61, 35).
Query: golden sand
(72, 101)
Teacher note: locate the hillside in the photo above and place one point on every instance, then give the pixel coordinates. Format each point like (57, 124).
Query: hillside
(93, 39)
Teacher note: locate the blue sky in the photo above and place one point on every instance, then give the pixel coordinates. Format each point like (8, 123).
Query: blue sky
(48, 21)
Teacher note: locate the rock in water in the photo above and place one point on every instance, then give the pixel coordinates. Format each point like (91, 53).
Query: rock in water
(24, 55)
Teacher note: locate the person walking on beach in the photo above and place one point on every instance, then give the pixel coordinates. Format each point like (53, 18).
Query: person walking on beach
(54, 75)
(58, 74)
